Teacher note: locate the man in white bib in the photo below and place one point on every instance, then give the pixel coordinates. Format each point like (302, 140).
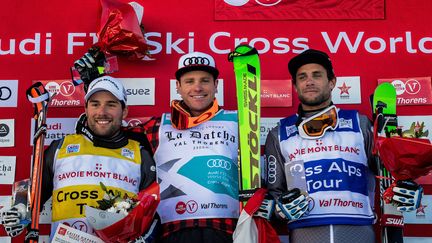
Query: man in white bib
(320, 165)
(196, 158)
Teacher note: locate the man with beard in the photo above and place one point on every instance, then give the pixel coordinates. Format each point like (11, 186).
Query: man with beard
(100, 151)
(319, 162)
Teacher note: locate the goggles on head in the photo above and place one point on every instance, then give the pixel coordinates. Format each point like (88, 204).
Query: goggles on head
(315, 126)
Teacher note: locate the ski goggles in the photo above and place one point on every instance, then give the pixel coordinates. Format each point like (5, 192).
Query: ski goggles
(182, 119)
(315, 126)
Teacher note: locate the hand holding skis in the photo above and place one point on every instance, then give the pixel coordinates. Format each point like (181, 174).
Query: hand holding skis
(407, 195)
(292, 205)
(266, 208)
(13, 220)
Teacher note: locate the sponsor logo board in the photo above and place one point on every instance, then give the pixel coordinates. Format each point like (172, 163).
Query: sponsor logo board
(7, 169)
(276, 93)
(5, 203)
(68, 234)
(46, 213)
(140, 91)
(5, 239)
(8, 93)
(63, 93)
(410, 124)
(423, 215)
(347, 90)
(7, 134)
(57, 128)
(411, 91)
(267, 123)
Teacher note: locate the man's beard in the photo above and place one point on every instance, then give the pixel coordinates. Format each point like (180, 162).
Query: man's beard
(108, 133)
(316, 101)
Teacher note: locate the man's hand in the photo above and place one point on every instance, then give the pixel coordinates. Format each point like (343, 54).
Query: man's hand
(86, 61)
(88, 66)
(266, 209)
(292, 205)
(11, 220)
(407, 195)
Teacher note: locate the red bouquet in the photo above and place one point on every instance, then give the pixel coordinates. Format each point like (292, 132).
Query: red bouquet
(406, 158)
(121, 31)
(125, 223)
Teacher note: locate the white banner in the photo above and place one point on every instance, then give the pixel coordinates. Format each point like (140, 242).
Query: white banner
(267, 123)
(5, 239)
(422, 215)
(417, 239)
(347, 90)
(5, 203)
(140, 91)
(56, 128)
(66, 234)
(7, 169)
(46, 213)
(410, 124)
(8, 93)
(44, 239)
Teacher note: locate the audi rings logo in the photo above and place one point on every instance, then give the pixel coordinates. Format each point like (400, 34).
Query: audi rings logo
(219, 163)
(5, 93)
(271, 167)
(196, 61)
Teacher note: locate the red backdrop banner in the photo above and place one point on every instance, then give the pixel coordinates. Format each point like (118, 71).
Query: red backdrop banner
(40, 40)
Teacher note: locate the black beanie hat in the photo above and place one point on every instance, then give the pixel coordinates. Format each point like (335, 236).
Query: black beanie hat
(310, 56)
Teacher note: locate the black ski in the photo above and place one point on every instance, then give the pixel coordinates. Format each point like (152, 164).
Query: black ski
(39, 96)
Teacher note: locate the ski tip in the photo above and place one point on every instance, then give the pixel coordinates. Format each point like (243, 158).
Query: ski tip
(37, 93)
(385, 88)
(242, 50)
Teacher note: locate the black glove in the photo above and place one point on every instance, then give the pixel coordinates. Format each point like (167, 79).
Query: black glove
(90, 66)
(407, 195)
(292, 205)
(266, 208)
(11, 220)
